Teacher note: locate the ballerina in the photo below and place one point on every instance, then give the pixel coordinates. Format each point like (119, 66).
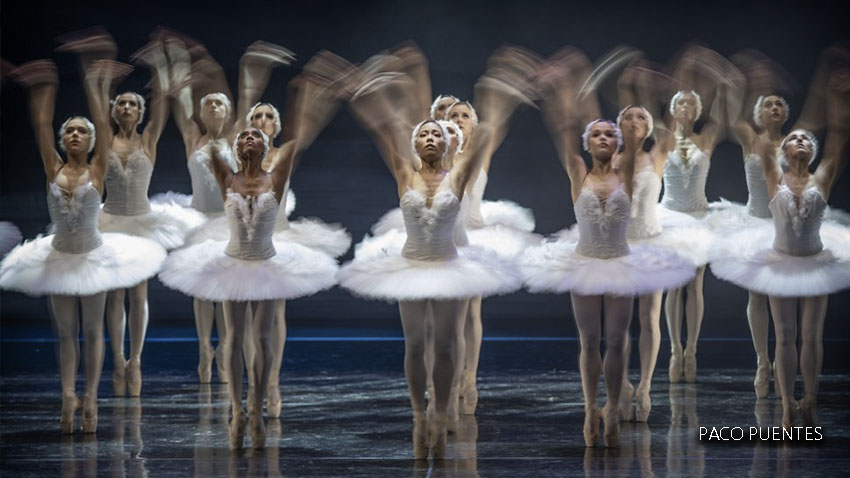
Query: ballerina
(809, 257)
(127, 208)
(601, 270)
(251, 269)
(77, 264)
(427, 273)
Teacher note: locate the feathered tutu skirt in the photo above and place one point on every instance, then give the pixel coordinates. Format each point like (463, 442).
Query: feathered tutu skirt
(121, 261)
(168, 223)
(204, 271)
(379, 272)
(747, 259)
(555, 266)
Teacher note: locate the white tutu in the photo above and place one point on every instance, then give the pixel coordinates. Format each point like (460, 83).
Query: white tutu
(507, 213)
(727, 217)
(167, 223)
(330, 239)
(121, 261)
(556, 267)
(747, 259)
(206, 272)
(185, 200)
(10, 236)
(378, 271)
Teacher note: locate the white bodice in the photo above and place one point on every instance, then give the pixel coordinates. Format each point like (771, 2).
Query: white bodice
(206, 195)
(252, 221)
(75, 217)
(757, 200)
(127, 184)
(602, 224)
(684, 180)
(797, 221)
(644, 222)
(430, 230)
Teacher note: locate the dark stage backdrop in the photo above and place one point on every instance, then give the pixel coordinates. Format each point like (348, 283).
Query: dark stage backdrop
(342, 179)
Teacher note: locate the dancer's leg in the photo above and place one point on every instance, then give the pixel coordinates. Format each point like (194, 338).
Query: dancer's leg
(67, 322)
(784, 311)
(203, 325)
(587, 310)
(92, 313)
(649, 314)
(673, 311)
(473, 333)
(278, 345)
(758, 318)
(116, 322)
(811, 354)
(694, 312)
(448, 317)
(414, 315)
(138, 330)
(263, 322)
(235, 325)
(618, 314)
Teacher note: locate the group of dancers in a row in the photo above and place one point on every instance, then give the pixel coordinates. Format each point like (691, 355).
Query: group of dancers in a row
(231, 247)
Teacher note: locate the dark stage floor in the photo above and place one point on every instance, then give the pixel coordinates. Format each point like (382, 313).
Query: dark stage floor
(346, 413)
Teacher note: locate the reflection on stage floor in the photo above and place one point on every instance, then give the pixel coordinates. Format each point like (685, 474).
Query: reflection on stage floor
(346, 413)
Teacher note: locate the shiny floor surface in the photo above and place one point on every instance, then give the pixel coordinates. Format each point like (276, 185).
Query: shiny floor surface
(346, 413)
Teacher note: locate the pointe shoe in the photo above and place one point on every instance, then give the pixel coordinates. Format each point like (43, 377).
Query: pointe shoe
(643, 405)
(690, 367)
(675, 369)
(89, 420)
(119, 377)
(808, 408)
(70, 404)
(237, 430)
(437, 430)
(258, 428)
(761, 383)
(591, 426)
(612, 428)
(420, 436)
(273, 402)
(205, 358)
(789, 415)
(134, 377)
(470, 393)
(625, 406)
(221, 367)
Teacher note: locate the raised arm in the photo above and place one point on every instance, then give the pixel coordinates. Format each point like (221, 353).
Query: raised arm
(772, 169)
(563, 110)
(153, 56)
(220, 167)
(835, 149)
(180, 91)
(255, 68)
(98, 83)
(41, 79)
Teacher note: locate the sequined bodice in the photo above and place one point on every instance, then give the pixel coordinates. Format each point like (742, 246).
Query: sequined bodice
(643, 221)
(430, 230)
(75, 217)
(206, 195)
(684, 180)
(602, 224)
(252, 221)
(757, 200)
(127, 184)
(797, 220)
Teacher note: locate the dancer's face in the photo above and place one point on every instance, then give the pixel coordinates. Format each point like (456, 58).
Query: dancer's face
(602, 140)
(772, 111)
(462, 116)
(263, 119)
(636, 121)
(430, 143)
(798, 147)
(76, 136)
(686, 107)
(250, 140)
(214, 109)
(127, 108)
(440, 110)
